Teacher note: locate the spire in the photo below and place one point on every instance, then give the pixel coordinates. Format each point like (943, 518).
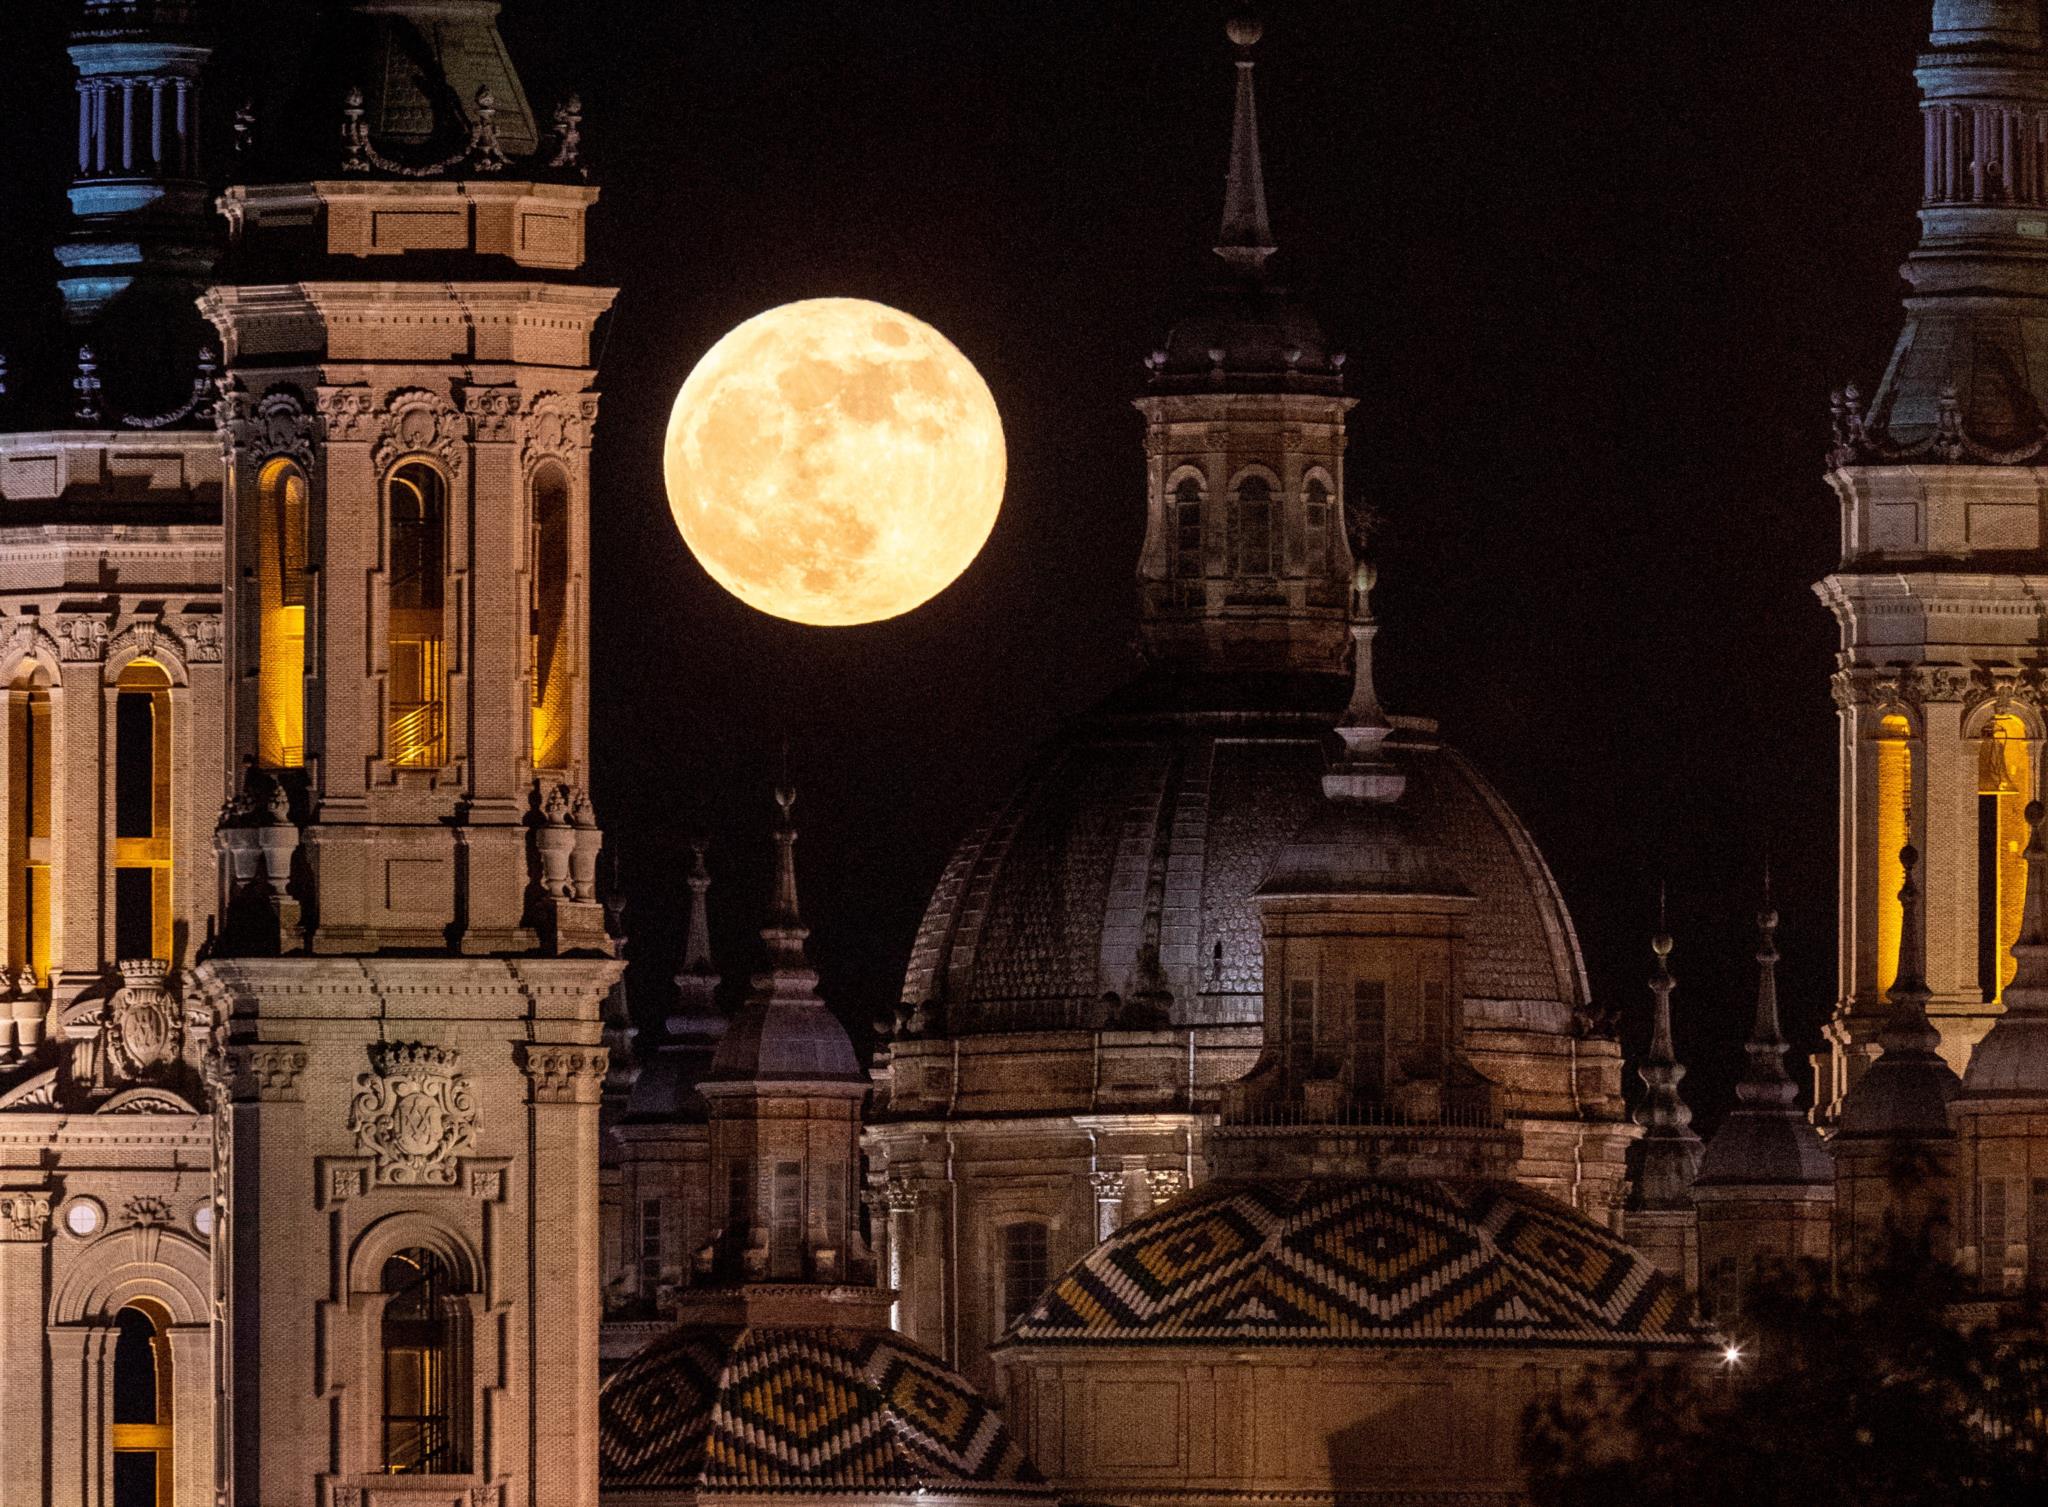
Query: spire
(785, 931)
(1905, 1093)
(697, 941)
(1246, 239)
(1908, 1028)
(697, 980)
(1766, 1081)
(1671, 1148)
(2012, 1059)
(1363, 772)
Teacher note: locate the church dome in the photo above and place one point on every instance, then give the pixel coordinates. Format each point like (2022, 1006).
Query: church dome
(1362, 1262)
(753, 1408)
(1151, 822)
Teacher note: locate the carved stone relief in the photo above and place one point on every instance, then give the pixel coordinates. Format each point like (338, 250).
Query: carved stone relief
(416, 421)
(413, 1113)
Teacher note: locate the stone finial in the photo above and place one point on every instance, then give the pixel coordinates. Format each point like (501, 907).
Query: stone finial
(569, 136)
(245, 129)
(486, 152)
(1908, 1027)
(1246, 237)
(1766, 1080)
(355, 133)
(86, 384)
(1671, 1148)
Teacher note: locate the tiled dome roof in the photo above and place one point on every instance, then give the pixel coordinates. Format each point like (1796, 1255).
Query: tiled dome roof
(1362, 1262)
(754, 1408)
(1178, 793)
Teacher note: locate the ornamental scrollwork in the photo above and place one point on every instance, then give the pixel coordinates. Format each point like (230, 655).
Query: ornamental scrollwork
(276, 424)
(416, 421)
(493, 411)
(145, 1023)
(566, 1074)
(346, 413)
(268, 1072)
(557, 426)
(82, 636)
(24, 1216)
(202, 640)
(413, 1113)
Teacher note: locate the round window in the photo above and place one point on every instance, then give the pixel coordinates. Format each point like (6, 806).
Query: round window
(84, 1217)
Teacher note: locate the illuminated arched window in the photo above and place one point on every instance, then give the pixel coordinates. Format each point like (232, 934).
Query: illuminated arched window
(142, 811)
(1894, 796)
(142, 1408)
(28, 822)
(548, 620)
(1187, 529)
(1027, 1266)
(426, 1368)
(2005, 783)
(1252, 531)
(417, 692)
(281, 617)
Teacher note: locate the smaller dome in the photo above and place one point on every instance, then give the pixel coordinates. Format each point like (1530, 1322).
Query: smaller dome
(755, 1408)
(1904, 1095)
(1363, 1262)
(1361, 848)
(1258, 337)
(785, 1041)
(1765, 1145)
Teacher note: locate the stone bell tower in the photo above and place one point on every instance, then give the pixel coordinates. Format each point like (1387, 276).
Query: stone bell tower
(1938, 593)
(412, 961)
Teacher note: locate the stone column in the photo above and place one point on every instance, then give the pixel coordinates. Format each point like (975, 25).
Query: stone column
(565, 1302)
(192, 1413)
(24, 1300)
(1109, 1203)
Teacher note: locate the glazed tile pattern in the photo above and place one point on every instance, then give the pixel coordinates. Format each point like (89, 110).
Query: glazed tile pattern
(1354, 1262)
(752, 1409)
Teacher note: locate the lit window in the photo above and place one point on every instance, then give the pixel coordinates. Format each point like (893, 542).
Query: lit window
(281, 617)
(1894, 796)
(142, 1409)
(1026, 1267)
(426, 1429)
(142, 811)
(28, 823)
(2005, 783)
(548, 620)
(417, 695)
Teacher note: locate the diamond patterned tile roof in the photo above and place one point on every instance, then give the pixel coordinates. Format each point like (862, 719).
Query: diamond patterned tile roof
(1175, 798)
(1362, 1262)
(804, 1410)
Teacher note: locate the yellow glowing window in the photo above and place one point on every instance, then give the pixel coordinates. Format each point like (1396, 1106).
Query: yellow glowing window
(2005, 783)
(141, 1433)
(548, 621)
(142, 811)
(426, 1388)
(417, 691)
(28, 824)
(281, 617)
(1894, 796)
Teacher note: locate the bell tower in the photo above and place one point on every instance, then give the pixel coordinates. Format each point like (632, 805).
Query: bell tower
(1937, 596)
(412, 961)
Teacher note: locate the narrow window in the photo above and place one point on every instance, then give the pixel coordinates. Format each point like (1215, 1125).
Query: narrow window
(426, 1428)
(785, 1237)
(418, 690)
(28, 824)
(2004, 786)
(1369, 1034)
(1187, 529)
(1435, 1020)
(1991, 1224)
(835, 1210)
(1254, 532)
(1894, 794)
(281, 617)
(1315, 509)
(739, 1197)
(650, 1247)
(548, 620)
(1301, 1024)
(142, 811)
(142, 1409)
(1025, 1262)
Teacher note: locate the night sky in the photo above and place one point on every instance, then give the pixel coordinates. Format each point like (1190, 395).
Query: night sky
(1596, 266)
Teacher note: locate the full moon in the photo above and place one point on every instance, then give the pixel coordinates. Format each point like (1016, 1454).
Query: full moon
(834, 461)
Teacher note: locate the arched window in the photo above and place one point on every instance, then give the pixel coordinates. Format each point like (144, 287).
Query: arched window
(1026, 1266)
(28, 822)
(142, 811)
(2005, 783)
(1252, 535)
(1187, 529)
(1315, 514)
(548, 620)
(142, 1408)
(426, 1368)
(1894, 795)
(281, 617)
(417, 694)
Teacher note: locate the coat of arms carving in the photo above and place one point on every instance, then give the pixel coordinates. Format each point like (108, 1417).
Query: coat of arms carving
(413, 1113)
(145, 1025)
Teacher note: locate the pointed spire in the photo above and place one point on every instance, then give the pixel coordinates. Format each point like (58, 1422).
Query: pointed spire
(1908, 1028)
(1766, 1081)
(697, 940)
(1246, 239)
(696, 1013)
(1671, 1148)
(1363, 772)
(2012, 1059)
(785, 931)
(1904, 1095)
(2030, 952)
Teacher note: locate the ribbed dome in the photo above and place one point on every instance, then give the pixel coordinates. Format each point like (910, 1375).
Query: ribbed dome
(779, 1041)
(1361, 1262)
(848, 1411)
(1161, 813)
(1258, 337)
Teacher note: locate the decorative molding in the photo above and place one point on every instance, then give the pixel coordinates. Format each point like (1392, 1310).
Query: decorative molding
(145, 1023)
(266, 1073)
(1109, 1186)
(347, 413)
(413, 1112)
(276, 424)
(1864, 438)
(899, 1197)
(487, 1183)
(342, 1180)
(414, 422)
(557, 426)
(24, 1216)
(1166, 1183)
(146, 1208)
(493, 411)
(82, 636)
(202, 639)
(565, 1074)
